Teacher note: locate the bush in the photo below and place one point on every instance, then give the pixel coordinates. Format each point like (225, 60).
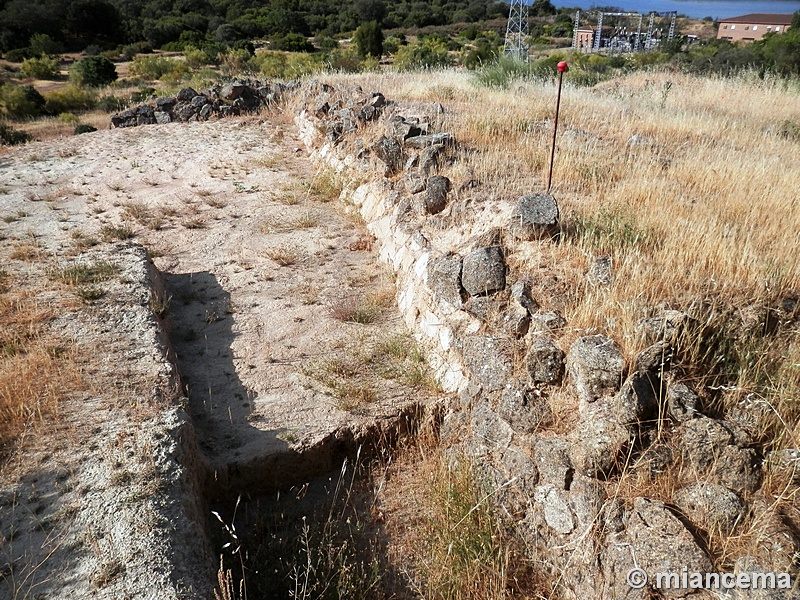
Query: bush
(94, 71)
(11, 137)
(69, 99)
(271, 64)
(156, 67)
(393, 43)
(39, 68)
(292, 42)
(431, 53)
(43, 44)
(345, 61)
(17, 55)
(111, 104)
(19, 102)
(369, 40)
(130, 51)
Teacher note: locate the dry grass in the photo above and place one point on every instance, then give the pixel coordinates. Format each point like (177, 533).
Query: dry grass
(283, 256)
(36, 370)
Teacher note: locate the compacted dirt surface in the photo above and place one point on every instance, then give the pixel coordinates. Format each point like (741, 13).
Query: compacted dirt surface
(262, 348)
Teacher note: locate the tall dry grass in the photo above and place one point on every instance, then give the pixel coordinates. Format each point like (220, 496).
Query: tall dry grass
(688, 183)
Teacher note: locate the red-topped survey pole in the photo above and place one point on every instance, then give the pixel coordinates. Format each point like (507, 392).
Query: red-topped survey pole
(562, 68)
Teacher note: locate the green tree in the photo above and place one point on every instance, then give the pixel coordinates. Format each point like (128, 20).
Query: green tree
(430, 53)
(43, 44)
(369, 39)
(40, 68)
(94, 71)
(542, 8)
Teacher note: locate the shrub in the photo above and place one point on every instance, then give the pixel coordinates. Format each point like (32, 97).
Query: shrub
(430, 53)
(156, 67)
(18, 102)
(345, 61)
(39, 68)
(369, 39)
(292, 42)
(94, 71)
(271, 64)
(130, 51)
(17, 55)
(69, 99)
(43, 44)
(111, 104)
(11, 137)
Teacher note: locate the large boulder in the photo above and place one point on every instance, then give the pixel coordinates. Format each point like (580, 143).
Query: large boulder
(484, 271)
(390, 152)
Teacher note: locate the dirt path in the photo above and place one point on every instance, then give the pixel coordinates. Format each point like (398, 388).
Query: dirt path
(283, 325)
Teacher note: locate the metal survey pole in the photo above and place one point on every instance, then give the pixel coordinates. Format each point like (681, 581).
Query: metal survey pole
(562, 68)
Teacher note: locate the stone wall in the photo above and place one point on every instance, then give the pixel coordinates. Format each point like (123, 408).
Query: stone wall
(551, 421)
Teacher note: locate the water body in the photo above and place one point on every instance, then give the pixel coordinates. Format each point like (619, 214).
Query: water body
(697, 9)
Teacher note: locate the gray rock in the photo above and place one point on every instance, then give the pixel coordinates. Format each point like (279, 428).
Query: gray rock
(186, 94)
(484, 271)
(601, 271)
(444, 279)
(682, 402)
(737, 469)
(489, 360)
(547, 321)
(661, 543)
(436, 189)
(162, 117)
(423, 141)
(655, 359)
(390, 152)
(429, 158)
(544, 361)
(206, 111)
(184, 111)
(368, 113)
(667, 326)
(377, 100)
(521, 294)
(786, 461)
(479, 307)
(596, 366)
(598, 442)
(333, 131)
(638, 400)
(557, 512)
(489, 428)
(534, 217)
(515, 320)
(518, 464)
(231, 92)
(401, 130)
(702, 442)
(523, 410)
(321, 110)
(710, 506)
(199, 101)
(551, 455)
(165, 103)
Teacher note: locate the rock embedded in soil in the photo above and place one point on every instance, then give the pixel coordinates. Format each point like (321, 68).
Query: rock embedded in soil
(710, 506)
(544, 361)
(436, 189)
(534, 217)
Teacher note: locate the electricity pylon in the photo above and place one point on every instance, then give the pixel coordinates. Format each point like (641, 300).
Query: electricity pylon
(516, 44)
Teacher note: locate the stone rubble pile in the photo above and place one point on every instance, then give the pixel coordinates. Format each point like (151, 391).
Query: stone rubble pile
(231, 99)
(515, 366)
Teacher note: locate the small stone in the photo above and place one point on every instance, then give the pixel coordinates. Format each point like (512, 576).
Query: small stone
(444, 279)
(390, 152)
(557, 512)
(534, 217)
(595, 364)
(186, 94)
(681, 402)
(478, 307)
(436, 189)
(710, 506)
(488, 427)
(521, 294)
(484, 271)
(162, 117)
(547, 321)
(523, 410)
(423, 141)
(545, 361)
(489, 361)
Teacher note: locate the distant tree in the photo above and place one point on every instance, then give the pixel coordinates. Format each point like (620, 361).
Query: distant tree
(369, 39)
(292, 42)
(43, 67)
(370, 10)
(796, 20)
(92, 21)
(43, 44)
(542, 8)
(94, 71)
